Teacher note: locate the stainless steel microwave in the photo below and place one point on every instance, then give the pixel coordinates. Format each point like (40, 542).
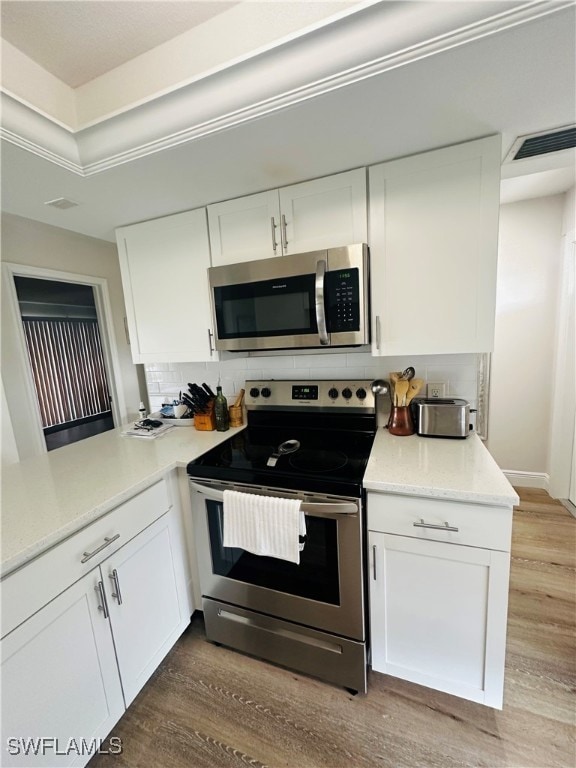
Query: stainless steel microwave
(307, 300)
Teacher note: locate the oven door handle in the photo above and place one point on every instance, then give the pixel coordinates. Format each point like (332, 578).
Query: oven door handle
(312, 508)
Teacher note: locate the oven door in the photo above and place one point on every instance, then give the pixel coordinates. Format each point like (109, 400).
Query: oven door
(325, 591)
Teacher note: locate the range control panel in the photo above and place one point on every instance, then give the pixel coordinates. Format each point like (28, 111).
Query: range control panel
(342, 394)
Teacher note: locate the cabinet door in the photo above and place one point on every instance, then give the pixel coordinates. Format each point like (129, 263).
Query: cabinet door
(59, 680)
(164, 275)
(438, 615)
(433, 242)
(146, 602)
(324, 213)
(245, 229)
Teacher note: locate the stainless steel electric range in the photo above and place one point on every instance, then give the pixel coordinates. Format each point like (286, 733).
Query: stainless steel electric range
(311, 441)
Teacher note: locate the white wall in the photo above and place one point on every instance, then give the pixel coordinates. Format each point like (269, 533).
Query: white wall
(562, 465)
(165, 380)
(522, 362)
(32, 243)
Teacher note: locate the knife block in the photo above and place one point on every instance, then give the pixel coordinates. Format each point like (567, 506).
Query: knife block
(205, 422)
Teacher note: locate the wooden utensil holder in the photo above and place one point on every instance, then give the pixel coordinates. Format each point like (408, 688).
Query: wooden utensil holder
(236, 415)
(205, 422)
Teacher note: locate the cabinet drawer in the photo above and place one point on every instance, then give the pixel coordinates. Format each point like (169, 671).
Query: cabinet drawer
(35, 584)
(477, 525)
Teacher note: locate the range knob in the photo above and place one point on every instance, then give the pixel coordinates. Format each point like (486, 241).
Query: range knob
(361, 393)
(254, 392)
(333, 393)
(266, 392)
(347, 393)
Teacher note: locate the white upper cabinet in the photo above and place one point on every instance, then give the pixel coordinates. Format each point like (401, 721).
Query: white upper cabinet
(433, 241)
(324, 213)
(245, 229)
(164, 266)
(316, 214)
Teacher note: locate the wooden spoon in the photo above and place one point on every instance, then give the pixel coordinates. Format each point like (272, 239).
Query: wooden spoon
(394, 377)
(414, 388)
(401, 390)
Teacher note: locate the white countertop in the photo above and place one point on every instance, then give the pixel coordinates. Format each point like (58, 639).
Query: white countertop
(47, 498)
(437, 468)
(50, 497)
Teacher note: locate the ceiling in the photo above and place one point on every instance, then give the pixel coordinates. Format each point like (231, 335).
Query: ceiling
(514, 81)
(78, 41)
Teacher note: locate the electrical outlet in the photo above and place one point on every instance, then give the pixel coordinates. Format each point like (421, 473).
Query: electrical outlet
(436, 389)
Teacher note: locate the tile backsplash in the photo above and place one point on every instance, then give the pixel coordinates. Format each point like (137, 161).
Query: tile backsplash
(166, 380)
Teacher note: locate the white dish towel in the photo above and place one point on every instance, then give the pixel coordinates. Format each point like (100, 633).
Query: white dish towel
(264, 525)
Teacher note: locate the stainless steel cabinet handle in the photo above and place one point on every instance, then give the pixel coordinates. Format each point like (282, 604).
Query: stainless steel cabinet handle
(210, 334)
(117, 594)
(104, 607)
(283, 235)
(374, 561)
(274, 243)
(107, 542)
(319, 302)
(378, 332)
(444, 527)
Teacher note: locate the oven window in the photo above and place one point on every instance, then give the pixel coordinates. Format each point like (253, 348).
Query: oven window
(315, 578)
(266, 308)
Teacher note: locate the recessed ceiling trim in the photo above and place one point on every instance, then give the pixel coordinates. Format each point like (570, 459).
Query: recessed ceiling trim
(40, 151)
(98, 146)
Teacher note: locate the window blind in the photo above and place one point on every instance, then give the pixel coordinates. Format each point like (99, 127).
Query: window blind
(68, 368)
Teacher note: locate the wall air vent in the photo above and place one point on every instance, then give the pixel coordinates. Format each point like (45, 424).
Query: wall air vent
(543, 143)
(62, 203)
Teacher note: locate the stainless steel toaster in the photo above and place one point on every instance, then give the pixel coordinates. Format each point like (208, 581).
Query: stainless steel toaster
(441, 417)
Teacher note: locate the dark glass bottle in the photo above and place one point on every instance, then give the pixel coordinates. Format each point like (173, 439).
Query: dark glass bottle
(221, 411)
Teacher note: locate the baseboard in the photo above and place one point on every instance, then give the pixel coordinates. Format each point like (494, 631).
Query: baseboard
(569, 506)
(528, 479)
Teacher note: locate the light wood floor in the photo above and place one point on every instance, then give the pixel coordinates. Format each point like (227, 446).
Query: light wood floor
(209, 707)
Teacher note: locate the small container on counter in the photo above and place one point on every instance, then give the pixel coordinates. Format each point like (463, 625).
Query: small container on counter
(400, 422)
(236, 411)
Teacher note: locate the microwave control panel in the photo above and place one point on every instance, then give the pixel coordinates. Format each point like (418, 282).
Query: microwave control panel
(342, 298)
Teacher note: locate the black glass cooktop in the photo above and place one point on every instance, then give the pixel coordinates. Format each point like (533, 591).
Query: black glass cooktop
(329, 458)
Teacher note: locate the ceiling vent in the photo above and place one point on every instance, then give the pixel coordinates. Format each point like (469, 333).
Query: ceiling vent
(62, 203)
(542, 143)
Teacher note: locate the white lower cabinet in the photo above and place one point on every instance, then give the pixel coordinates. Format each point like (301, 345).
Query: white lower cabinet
(438, 609)
(143, 598)
(70, 670)
(60, 681)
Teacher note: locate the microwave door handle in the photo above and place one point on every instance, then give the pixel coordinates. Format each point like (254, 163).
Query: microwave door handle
(320, 308)
(315, 509)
